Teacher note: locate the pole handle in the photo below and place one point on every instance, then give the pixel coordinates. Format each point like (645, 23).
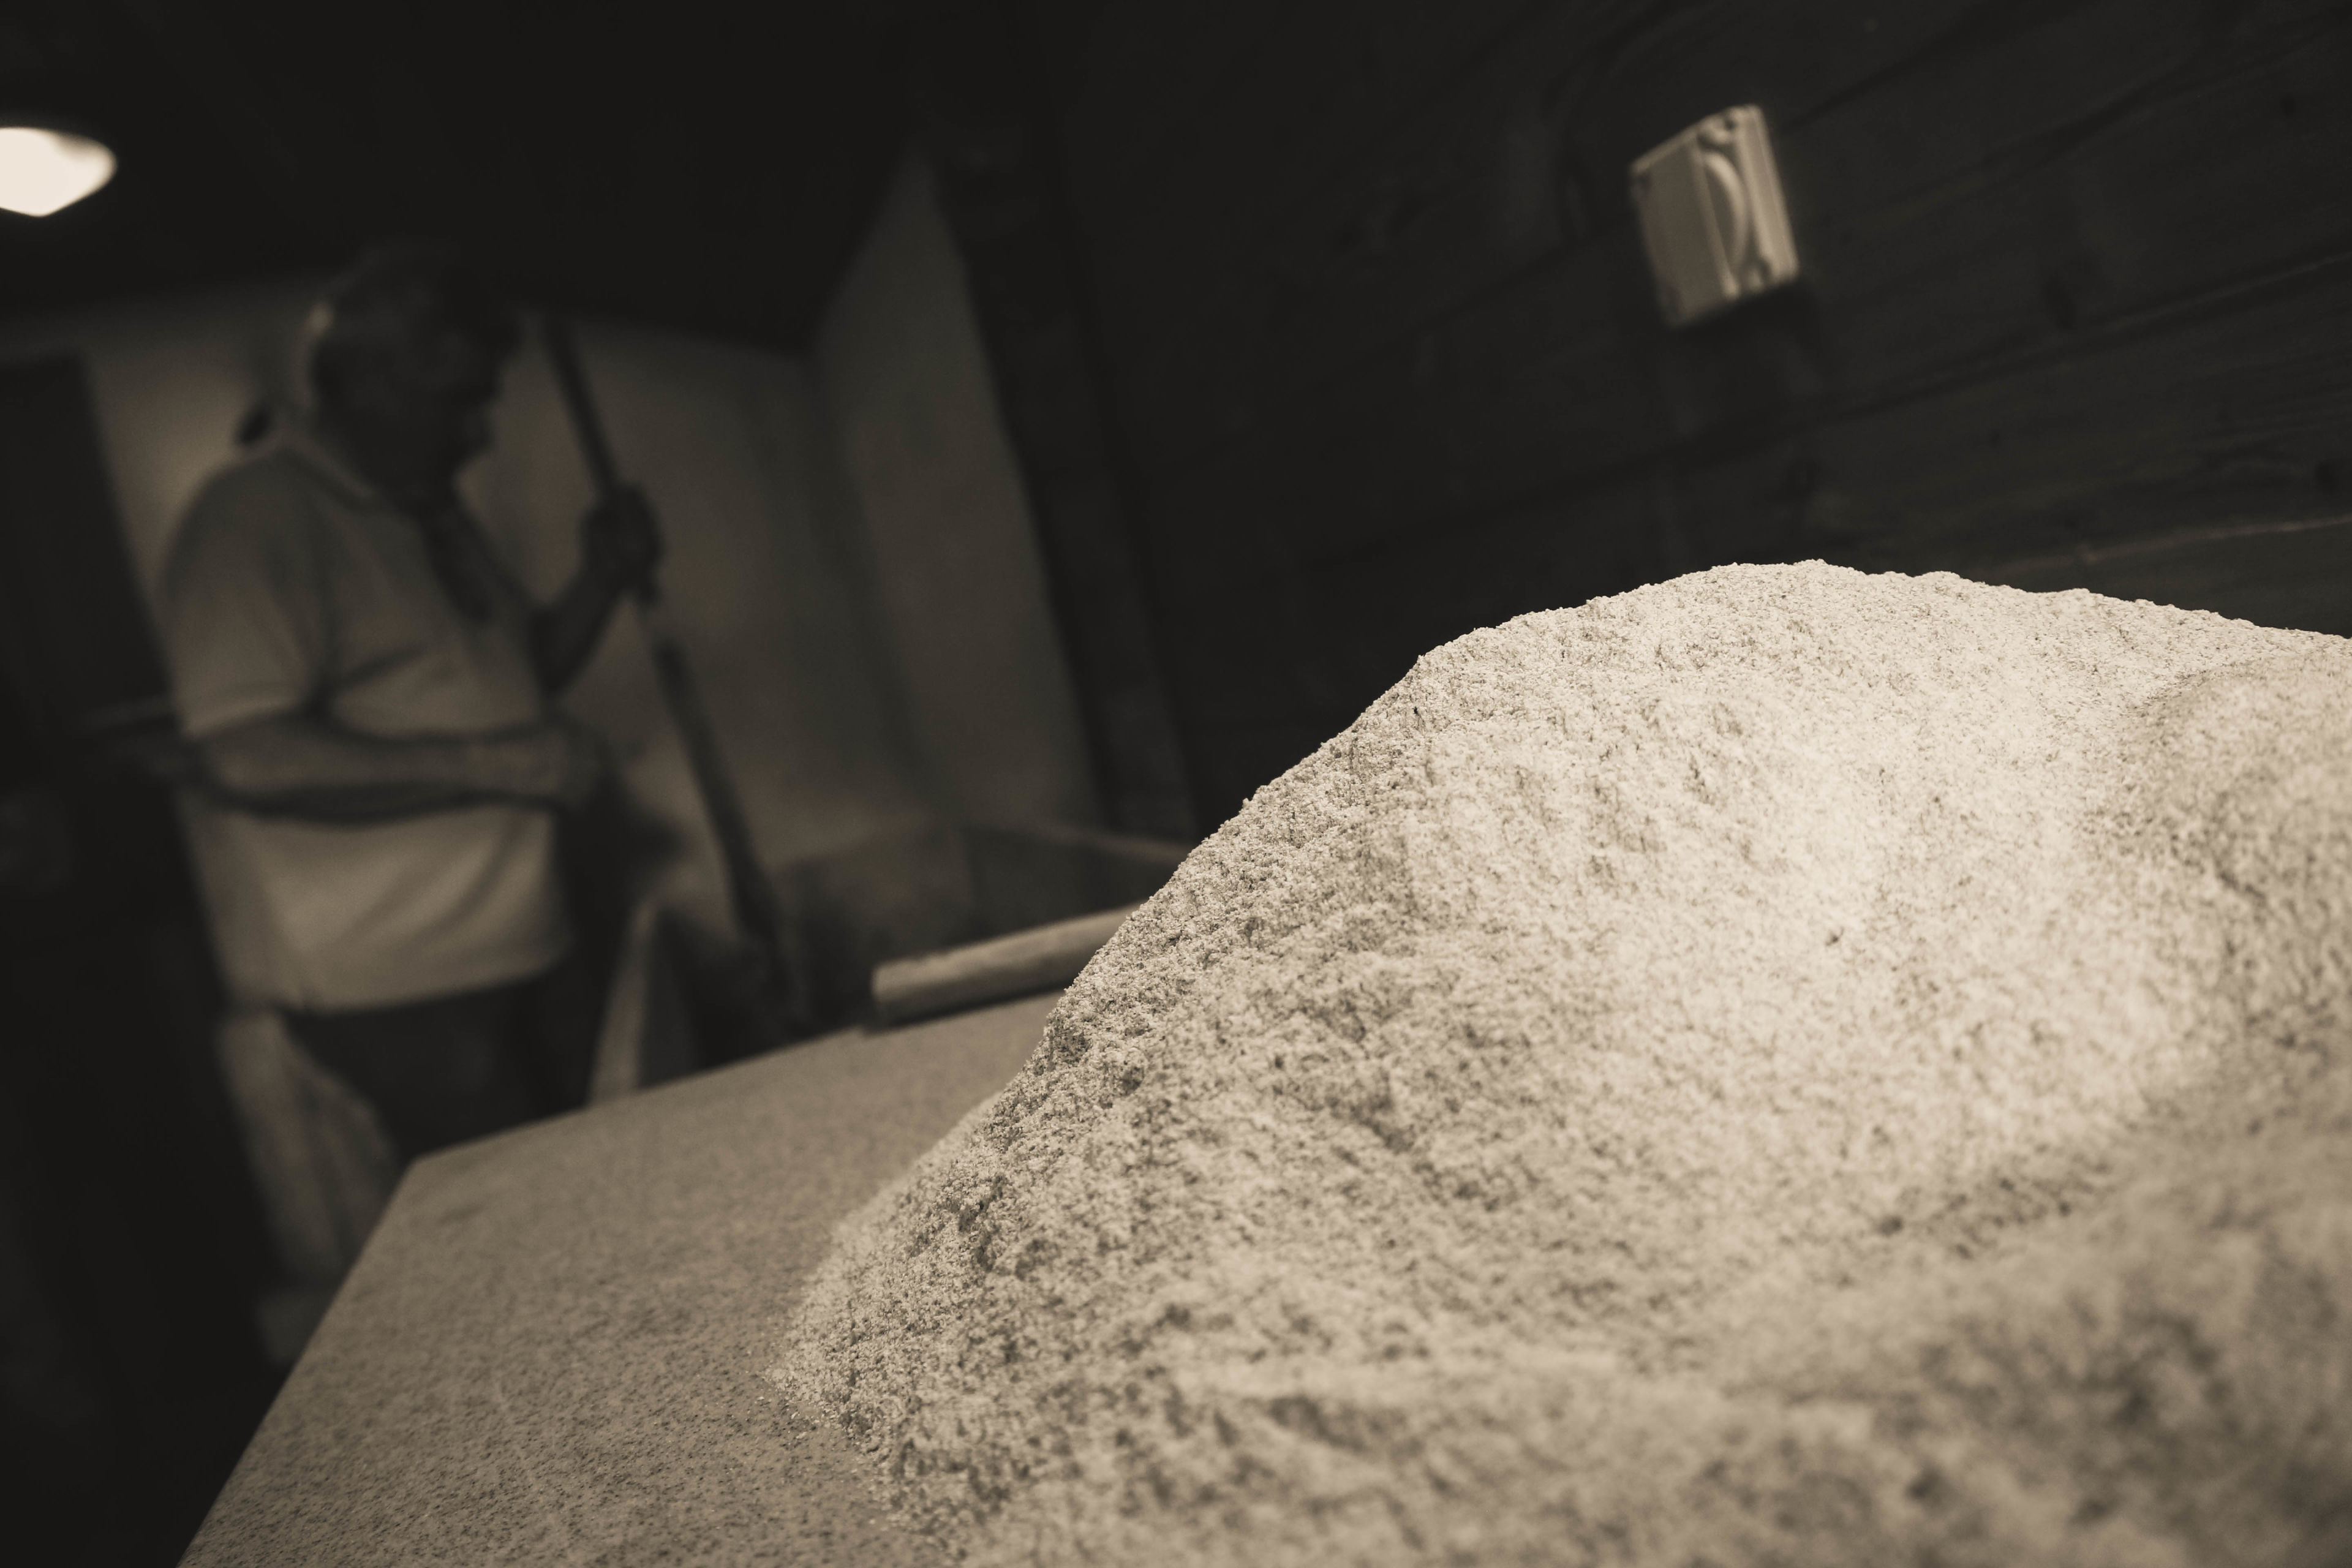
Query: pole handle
(564, 354)
(571, 381)
(754, 901)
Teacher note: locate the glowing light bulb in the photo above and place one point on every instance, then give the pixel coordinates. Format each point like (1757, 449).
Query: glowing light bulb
(42, 172)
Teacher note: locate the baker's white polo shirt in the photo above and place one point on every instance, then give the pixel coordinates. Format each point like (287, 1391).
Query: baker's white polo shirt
(293, 585)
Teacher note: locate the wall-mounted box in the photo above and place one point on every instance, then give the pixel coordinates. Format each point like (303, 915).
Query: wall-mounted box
(1713, 221)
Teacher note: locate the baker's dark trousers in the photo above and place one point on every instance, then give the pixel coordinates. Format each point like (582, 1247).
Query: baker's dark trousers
(450, 1069)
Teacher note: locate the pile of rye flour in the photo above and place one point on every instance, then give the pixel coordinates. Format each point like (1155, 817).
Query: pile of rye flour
(1781, 1067)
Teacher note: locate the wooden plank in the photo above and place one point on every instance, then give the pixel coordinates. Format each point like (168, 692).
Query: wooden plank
(2226, 168)
(1334, 74)
(1970, 482)
(1971, 79)
(1568, 374)
(2238, 415)
(1314, 678)
(2295, 574)
(1943, 133)
(2242, 414)
(1523, 153)
(1931, 401)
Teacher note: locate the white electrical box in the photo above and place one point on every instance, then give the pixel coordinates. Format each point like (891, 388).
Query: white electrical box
(1712, 217)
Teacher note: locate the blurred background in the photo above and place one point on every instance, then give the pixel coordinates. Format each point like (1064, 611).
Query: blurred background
(1063, 415)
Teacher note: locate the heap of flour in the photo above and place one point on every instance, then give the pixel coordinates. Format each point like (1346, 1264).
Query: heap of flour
(1783, 1066)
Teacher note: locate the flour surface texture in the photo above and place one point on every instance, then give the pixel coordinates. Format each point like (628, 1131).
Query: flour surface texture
(1784, 1066)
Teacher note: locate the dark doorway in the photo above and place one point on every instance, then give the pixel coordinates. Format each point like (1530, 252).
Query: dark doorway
(132, 1241)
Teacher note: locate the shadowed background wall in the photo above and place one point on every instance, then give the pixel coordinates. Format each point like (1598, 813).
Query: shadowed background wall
(2077, 311)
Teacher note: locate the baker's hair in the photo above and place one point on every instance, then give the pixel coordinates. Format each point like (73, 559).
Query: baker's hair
(394, 294)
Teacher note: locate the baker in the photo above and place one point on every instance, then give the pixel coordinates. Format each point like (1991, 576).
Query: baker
(368, 698)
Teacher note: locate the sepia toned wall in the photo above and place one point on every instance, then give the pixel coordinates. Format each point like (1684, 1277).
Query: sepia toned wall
(906, 392)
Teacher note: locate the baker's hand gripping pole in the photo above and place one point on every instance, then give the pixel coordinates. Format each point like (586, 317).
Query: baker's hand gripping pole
(753, 896)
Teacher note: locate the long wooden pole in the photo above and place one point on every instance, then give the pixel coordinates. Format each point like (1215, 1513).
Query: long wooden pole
(751, 894)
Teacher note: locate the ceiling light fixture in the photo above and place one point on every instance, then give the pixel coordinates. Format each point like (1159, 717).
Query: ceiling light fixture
(44, 171)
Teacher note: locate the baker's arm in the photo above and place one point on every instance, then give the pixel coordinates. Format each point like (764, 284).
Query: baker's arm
(302, 766)
(620, 547)
(565, 631)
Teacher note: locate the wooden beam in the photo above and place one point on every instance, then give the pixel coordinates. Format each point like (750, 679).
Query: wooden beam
(1002, 186)
(1936, 273)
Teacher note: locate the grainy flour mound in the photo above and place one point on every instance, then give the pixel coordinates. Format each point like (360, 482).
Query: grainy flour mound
(1785, 1066)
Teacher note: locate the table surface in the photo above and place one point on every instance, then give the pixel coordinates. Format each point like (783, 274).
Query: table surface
(551, 1349)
